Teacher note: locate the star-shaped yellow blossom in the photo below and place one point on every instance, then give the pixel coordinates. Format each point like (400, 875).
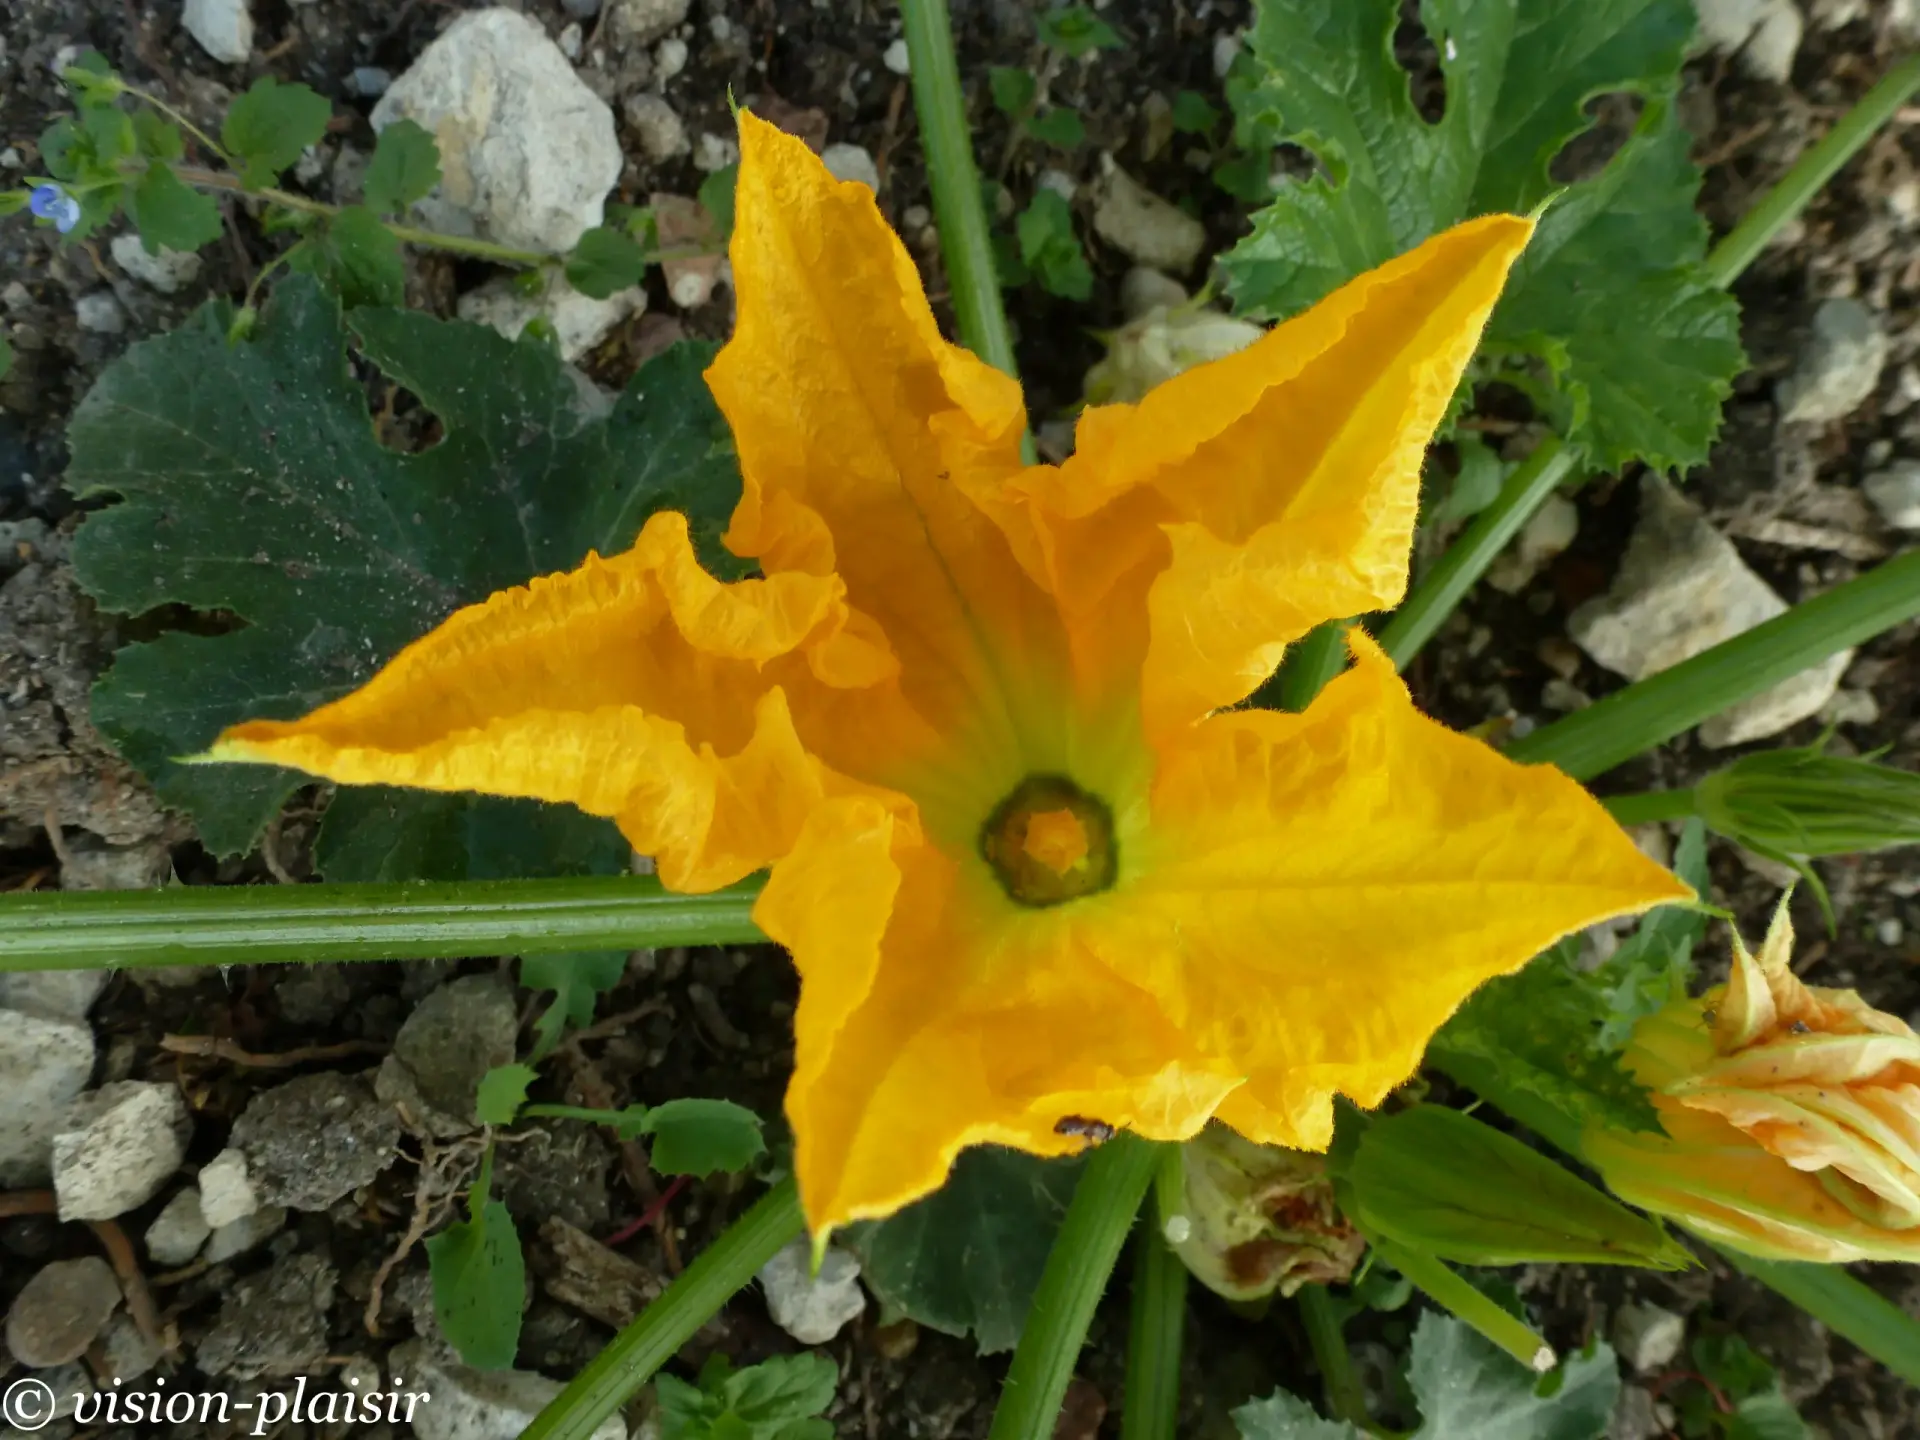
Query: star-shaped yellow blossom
(978, 717)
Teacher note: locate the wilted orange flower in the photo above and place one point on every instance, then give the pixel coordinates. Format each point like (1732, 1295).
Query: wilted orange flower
(1034, 868)
(1792, 1116)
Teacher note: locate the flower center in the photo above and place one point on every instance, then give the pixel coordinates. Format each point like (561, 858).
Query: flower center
(1050, 841)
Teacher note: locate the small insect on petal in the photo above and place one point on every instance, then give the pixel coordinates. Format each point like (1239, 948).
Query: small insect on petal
(1097, 1131)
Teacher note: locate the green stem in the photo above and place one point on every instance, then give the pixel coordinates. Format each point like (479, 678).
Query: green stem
(1346, 1400)
(1151, 1407)
(214, 147)
(264, 924)
(669, 1322)
(1652, 806)
(1104, 1204)
(1444, 586)
(948, 142)
(571, 1112)
(1310, 663)
(1451, 1293)
(1592, 741)
(1743, 244)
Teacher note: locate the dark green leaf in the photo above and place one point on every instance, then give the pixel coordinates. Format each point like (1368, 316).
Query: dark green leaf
(269, 127)
(1652, 966)
(1013, 89)
(604, 261)
(1283, 1416)
(93, 80)
(716, 198)
(698, 1137)
(1058, 127)
(686, 1411)
(12, 202)
(253, 485)
(405, 167)
(503, 1090)
(577, 980)
(785, 1388)
(479, 1280)
(169, 213)
(1466, 1386)
(1051, 250)
(6, 356)
(1246, 177)
(355, 254)
(1073, 30)
(1732, 1365)
(110, 129)
(1609, 314)
(1478, 483)
(1194, 114)
(966, 1259)
(157, 137)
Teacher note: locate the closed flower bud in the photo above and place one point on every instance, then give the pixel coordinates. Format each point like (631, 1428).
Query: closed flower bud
(1253, 1219)
(1792, 1116)
(1800, 802)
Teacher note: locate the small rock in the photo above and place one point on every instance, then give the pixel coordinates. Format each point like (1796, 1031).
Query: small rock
(100, 313)
(116, 1146)
(1226, 49)
(662, 135)
(581, 9)
(558, 1170)
(1547, 534)
(1144, 289)
(178, 1231)
(682, 221)
(641, 22)
(273, 1323)
(670, 58)
(60, 1311)
(572, 41)
(227, 1192)
(812, 1310)
(1765, 34)
(1889, 932)
(579, 321)
(44, 1065)
(1634, 1416)
(527, 152)
(1059, 182)
(370, 82)
(169, 272)
(1895, 493)
(477, 1404)
(246, 1233)
(1647, 1336)
(453, 1037)
(593, 1279)
(1683, 588)
(92, 864)
(52, 994)
(850, 162)
(315, 1140)
(127, 1354)
(223, 28)
(1838, 366)
(897, 59)
(311, 995)
(1142, 226)
(713, 152)
(1563, 697)
(1851, 707)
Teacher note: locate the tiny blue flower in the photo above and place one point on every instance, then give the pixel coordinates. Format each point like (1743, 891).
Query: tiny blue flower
(50, 202)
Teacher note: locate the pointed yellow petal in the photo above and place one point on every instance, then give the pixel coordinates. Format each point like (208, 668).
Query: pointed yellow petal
(1319, 892)
(634, 687)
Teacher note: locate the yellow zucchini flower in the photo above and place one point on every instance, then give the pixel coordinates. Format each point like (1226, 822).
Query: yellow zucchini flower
(1792, 1117)
(1039, 875)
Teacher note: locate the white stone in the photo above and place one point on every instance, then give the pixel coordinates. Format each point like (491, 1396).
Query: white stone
(116, 1146)
(1683, 588)
(244, 1234)
(1547, 533)
(1142, 226)
(1765, 34)
(851, 162)
(223, 28)
(572, 41)
(669, 58)
(166, 272)
(663, 136)
(52, 994)
(1850, 707)
(579, 321)
(1647, 1336)
(1226, 49)
(812, 1309)
(44, 1064)
(641, 22)
(477, 1404)
(178, 1231)
(527, 152)
(1144, 289)
(1059, 181)
(1832, 14)
(1838, 366)
(1889, 931)
(1895, 493)
(226, 1194)
(1163, 343)
(100, 313)
(897, 59)
(713, 152)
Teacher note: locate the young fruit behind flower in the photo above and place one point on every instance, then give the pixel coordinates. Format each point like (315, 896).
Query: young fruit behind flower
(1792, 1116)
(1040, 876)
